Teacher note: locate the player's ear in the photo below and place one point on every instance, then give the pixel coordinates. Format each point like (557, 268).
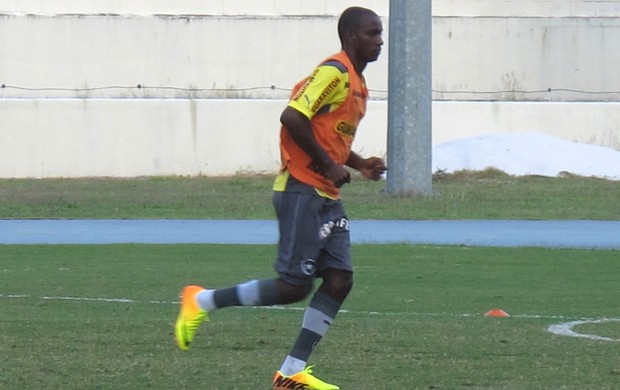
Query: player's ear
(350, 37)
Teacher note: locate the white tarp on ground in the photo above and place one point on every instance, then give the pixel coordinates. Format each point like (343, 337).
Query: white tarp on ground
(527, 154)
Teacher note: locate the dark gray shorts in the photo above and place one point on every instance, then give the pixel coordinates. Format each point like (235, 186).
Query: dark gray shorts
(314, 234)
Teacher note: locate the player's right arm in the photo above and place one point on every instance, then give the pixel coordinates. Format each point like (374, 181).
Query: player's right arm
(300, 130)
(323, 91)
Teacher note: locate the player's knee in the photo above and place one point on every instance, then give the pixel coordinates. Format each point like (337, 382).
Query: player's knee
(291, 293)
(337, 284)
(345, 283)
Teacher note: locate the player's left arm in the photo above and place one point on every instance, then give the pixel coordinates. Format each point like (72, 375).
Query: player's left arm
(371, 168)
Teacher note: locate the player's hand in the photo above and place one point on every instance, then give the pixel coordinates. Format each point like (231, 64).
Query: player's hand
(373, 168)
(338, 174)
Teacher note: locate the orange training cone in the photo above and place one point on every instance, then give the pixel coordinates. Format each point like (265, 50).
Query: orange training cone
(496, 313)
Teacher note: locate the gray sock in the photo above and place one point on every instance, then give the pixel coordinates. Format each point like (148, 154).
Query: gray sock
(252, 293)
(318, 318)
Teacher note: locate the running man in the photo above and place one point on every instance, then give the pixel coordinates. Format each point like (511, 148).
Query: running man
(318, 127)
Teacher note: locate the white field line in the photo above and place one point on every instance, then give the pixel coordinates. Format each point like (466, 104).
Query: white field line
(277, 307)
(565, 328)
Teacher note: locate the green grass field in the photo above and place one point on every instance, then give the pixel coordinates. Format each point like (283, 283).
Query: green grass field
(101, 317)
(466, 195)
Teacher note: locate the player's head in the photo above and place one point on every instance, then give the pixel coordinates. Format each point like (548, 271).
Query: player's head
(359, 30)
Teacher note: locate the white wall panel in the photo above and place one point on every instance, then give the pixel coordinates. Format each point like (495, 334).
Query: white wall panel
(150, 137)
(70, 70)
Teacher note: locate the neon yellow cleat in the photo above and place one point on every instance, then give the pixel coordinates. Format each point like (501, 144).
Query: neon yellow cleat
(302, 380)
(190, 317)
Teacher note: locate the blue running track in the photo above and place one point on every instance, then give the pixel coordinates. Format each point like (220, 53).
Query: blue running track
(502, 233)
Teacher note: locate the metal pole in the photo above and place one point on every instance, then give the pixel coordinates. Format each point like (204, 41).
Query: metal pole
(409, 141)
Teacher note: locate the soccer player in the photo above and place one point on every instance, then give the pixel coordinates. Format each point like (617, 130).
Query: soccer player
(318, 127)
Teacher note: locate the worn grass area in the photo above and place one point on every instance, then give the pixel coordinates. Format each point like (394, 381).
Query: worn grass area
(465, 195)
(100, 317)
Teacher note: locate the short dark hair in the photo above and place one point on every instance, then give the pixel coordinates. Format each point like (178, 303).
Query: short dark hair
(349, 20)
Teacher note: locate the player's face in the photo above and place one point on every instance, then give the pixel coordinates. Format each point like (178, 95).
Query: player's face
(368, 37)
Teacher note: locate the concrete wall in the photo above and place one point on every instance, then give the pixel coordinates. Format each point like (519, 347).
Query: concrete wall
(243, 56)
(160, 87)
(476, 8)
(138, 137)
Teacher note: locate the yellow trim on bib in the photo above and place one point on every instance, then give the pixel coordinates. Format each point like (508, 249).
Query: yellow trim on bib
(279, 184)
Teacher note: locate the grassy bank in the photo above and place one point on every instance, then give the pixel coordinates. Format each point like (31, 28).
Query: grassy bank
(466, 195)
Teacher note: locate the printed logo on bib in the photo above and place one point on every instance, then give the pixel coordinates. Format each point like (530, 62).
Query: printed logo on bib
(345, 128)
(325, 94)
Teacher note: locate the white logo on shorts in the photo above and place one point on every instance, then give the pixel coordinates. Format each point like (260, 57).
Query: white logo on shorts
(308, 267)
(326, 229)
